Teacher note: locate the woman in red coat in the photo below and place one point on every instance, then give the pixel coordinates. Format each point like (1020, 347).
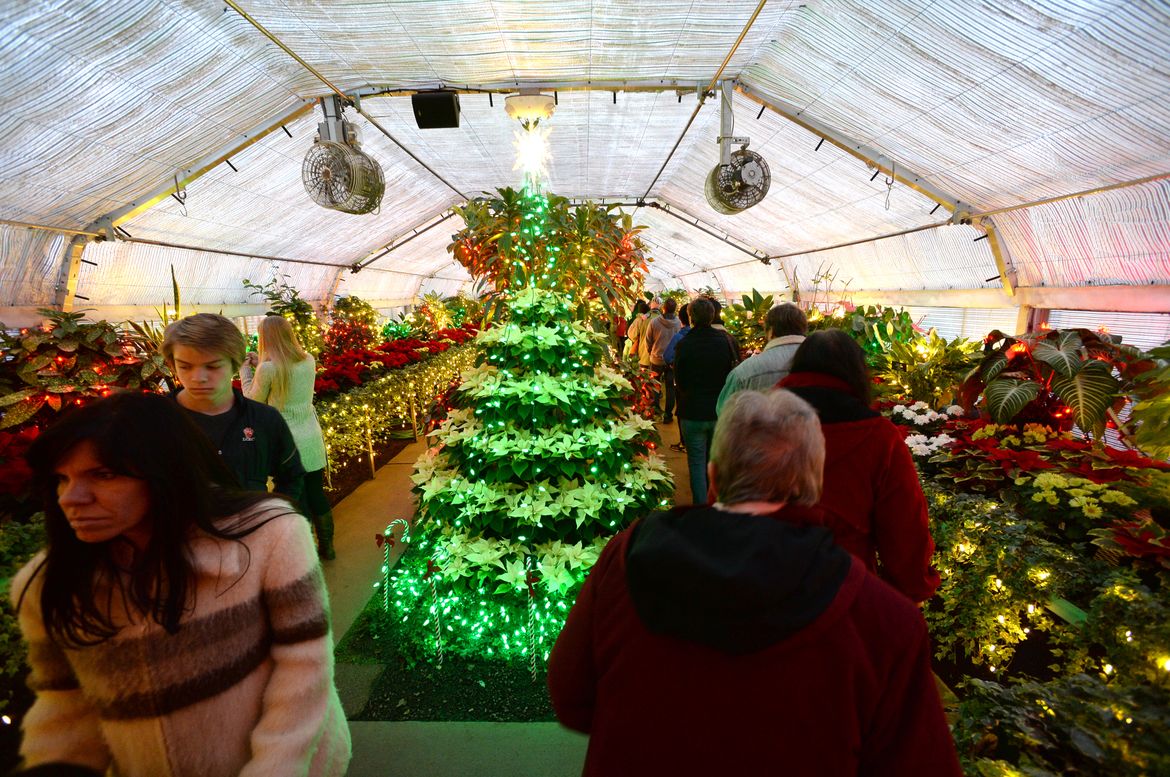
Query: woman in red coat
(736, 638)
(872, 498)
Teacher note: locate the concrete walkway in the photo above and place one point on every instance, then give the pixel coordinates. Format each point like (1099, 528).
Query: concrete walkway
(424, 748)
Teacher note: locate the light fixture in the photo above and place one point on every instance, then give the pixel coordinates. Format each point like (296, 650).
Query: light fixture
(529, 107)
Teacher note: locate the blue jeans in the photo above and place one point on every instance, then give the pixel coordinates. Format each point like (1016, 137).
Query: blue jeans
(696, 435)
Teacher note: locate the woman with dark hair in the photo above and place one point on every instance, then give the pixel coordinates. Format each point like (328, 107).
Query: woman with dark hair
(872, 498)
(176, 624)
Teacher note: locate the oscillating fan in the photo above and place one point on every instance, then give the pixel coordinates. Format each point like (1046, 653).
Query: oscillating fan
(740, 184)
(741, 179)
(336, 173)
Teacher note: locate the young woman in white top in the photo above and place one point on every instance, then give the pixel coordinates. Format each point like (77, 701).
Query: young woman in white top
(283, 377)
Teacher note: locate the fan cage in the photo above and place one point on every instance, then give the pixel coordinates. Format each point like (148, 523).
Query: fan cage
(725, 190)
(342, 178)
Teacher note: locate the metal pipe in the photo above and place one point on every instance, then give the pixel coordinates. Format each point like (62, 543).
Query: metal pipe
(248, 18)
(510, 87)
(703, 96)
(395, 246)
(46, 228)
(336, 90)
(411, 154)
(1058, 198)
(832, 247)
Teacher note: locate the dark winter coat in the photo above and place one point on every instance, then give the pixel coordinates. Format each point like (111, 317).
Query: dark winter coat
(258, 444)
(872, 497)
(702, 360)
(707, 642)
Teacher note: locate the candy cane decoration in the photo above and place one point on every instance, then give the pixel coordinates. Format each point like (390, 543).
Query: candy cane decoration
(386, 542)
(432, 570)
(531, 578)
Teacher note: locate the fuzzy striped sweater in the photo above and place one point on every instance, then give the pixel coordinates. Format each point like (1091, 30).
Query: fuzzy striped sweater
(245, 687)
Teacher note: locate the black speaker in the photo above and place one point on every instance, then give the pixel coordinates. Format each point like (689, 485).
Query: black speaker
(436, 110)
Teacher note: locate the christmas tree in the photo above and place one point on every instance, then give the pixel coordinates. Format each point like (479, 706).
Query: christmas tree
(541, 459)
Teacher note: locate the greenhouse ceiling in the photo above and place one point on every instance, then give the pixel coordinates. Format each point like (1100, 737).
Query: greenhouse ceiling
(926, 151)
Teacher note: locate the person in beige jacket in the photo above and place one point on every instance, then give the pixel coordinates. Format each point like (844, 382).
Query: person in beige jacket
(177, 626)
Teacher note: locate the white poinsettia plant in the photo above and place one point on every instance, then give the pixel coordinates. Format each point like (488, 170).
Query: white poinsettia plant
(921, 414)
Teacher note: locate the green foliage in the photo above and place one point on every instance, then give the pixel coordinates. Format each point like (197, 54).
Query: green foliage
(1005, 565)
(68, 361)
(355, 310)
(1068, 507)
(747, 322)
(539, 463)
(1075, 725)
(19, 542)
(997, 577)
(872, 326)
(1049, 375)
(431, 315)
(396, 330)
(518, 239)
(925, 368)
(465, 309)
(1151, 413)
(149, 336)
(354, 325)
(284, 300)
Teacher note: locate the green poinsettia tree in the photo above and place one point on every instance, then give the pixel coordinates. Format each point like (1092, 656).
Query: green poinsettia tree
(541, 459)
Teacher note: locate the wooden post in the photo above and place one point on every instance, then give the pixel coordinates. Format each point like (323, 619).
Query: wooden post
(413, 417)
(370, 445)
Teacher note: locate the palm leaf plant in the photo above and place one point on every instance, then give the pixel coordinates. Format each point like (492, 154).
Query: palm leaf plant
(1056, 377)
(1151, 414)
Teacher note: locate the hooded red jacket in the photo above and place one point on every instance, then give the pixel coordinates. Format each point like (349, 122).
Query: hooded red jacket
(706, 642)
(872, 497)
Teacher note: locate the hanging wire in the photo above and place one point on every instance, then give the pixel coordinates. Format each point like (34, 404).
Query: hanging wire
(890, 182)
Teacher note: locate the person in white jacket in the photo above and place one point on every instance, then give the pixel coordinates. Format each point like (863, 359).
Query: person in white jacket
(282, 374)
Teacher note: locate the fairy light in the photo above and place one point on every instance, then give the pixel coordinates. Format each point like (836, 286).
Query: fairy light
(532, 154)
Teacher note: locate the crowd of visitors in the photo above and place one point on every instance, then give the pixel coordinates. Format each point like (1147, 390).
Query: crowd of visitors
(180, 603)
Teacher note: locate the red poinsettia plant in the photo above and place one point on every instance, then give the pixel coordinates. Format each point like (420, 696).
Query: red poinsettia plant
(985, 457)
(340, 371)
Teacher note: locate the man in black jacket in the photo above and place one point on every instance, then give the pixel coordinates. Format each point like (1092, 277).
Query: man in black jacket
(701, 363)
(205, 351)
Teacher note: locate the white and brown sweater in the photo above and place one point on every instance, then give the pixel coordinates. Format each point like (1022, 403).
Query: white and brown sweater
(245, 687)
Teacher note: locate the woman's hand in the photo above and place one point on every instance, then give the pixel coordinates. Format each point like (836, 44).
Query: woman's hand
(252, 359)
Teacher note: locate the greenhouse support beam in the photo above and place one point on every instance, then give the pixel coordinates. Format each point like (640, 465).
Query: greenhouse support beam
(671, 209)
(334, 288)
(512, 87)
(1121, 299)
(399, 241)
(760, 256)
(28, 315)
(1007, 271)
(198, 168)
(66, 288)
(1085, 193)
(47, 228)
(900, 233)
(871, 156)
